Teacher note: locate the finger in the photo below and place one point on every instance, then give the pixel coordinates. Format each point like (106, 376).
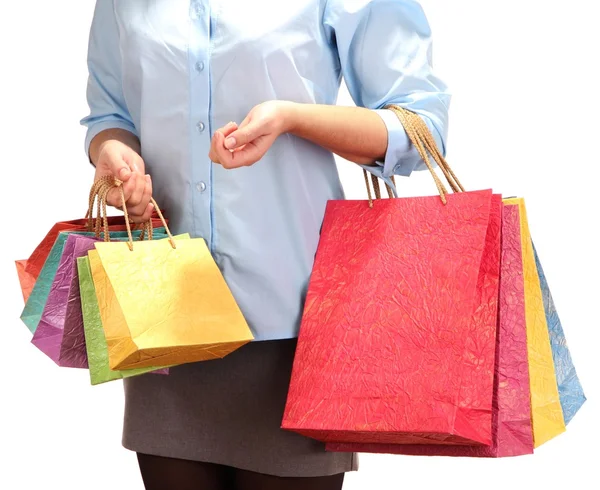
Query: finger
(244, 135)
(135, 163)
(225, 130)
(138, 209)
(128, 187)
(117, 166)
(250, 153)
(138, 191)
(115, 198)
(212, 154)
(229, 128)
(224, 156)
(143, 217)
(244, 123)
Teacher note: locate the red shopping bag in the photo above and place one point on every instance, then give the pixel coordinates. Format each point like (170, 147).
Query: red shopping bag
(35, 262)
(511, 418)
(397, 341)
(28, 270)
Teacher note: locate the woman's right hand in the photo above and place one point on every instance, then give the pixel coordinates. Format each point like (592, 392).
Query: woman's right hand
(116, 159)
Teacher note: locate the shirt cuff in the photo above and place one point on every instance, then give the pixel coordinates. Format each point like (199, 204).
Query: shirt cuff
(99, 126)
(398, 160)
(377, 171)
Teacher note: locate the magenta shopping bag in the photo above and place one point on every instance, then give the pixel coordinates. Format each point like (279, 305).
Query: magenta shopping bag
(60, 331)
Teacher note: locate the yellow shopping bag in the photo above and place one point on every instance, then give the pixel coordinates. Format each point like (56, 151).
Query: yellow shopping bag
(164, 302)
(546, 412)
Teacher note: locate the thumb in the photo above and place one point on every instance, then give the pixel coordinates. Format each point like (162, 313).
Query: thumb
(243, 136)
(115, 162)
(119, 168)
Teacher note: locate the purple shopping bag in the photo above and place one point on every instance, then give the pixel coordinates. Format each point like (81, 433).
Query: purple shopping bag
(72, 349)
(60, 334)
(61, 323)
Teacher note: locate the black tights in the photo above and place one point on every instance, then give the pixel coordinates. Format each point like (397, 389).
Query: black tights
(161, 473)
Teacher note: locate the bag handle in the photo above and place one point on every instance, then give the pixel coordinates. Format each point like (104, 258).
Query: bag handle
(376, 187)
(422, 139)
(94, 224)
(99, 193)
(100, 223)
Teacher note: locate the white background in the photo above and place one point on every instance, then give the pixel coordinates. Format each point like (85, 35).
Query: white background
(524, 120)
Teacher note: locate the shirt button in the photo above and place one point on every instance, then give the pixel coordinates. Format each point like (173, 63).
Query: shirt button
(200, 66)
(200, 186)
(200, 126)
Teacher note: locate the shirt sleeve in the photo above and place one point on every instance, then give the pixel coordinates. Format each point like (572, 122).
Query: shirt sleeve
(106, 102)
(384, 48)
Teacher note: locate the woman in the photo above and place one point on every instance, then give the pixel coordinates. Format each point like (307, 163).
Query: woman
(228, 105)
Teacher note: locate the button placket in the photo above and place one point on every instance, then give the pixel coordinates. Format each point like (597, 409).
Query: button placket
(199, 48)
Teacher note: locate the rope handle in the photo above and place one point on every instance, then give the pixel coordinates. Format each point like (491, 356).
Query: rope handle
(424, 142)
(99, 194)
(100, 223)
(376, 188)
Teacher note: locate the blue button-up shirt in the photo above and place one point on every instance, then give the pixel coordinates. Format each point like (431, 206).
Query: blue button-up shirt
(174, 71)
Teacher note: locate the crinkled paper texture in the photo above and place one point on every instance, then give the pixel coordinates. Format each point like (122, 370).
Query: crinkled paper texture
(511, 420)
(26, 280)
(388, 350)
(35, 262)
(569, 388)
(34, 307)
(73, 351)
(60, 332)
(546, 410)
(95, 341)
(49, 334)
(165, 305)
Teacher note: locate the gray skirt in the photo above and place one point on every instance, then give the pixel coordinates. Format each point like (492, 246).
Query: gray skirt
(228, 412)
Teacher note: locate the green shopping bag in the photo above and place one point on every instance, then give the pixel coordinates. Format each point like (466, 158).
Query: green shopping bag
(95, 341)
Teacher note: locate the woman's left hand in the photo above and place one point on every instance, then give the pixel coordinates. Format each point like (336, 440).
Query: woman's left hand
(236, 146)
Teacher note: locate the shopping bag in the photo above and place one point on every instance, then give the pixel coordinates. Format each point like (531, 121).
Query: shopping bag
(546, 411)
(29, 270)
(95, 341)
(34, 307)
(397, 340)
(35, 263)
(570, 390)
(26, 280)
(60, 330)
(73, 352)
(511, 419)
(49, 334)
(164, 302)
